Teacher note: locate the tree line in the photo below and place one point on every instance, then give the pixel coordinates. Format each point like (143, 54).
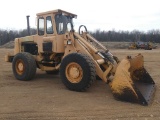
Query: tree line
(104, 36)
(127, 36)
(10, 35)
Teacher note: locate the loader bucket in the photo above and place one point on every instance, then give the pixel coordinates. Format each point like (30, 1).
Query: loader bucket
(132, 82)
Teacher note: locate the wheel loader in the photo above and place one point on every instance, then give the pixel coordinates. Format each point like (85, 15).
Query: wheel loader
(78, 58)
(141, 45)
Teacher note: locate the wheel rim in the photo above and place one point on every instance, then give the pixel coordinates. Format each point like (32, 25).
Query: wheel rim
(20, 66)
(74, 72)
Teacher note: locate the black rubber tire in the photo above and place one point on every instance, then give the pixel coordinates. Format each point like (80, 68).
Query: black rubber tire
(55, 72)
(29, 65)
(88, 68)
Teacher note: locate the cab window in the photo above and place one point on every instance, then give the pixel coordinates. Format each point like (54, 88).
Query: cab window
(41, 26)
(63, 23)
(49, 26)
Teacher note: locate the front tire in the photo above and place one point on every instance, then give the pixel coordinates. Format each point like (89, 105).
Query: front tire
(77, 71)
(24, 66)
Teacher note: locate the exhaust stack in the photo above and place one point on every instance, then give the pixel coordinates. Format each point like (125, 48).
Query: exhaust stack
(28, 26)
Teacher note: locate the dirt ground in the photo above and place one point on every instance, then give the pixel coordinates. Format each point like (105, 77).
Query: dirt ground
(47, 98)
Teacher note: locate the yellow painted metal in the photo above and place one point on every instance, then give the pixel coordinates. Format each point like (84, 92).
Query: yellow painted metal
(58, 11)
(107, 71)
(101, 61)
(74, 72)
(122, 79)
(85, 42)
(131, 81)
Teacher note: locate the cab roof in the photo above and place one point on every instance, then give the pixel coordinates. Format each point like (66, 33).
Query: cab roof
(58, 11)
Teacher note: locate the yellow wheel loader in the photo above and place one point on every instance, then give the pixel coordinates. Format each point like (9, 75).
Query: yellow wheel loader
(79, 58)
(141, 45)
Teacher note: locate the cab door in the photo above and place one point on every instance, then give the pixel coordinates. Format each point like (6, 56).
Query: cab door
(50, 39)
(46, 38)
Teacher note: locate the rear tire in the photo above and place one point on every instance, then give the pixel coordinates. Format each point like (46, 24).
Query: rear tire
(24, 66)
(77, 71)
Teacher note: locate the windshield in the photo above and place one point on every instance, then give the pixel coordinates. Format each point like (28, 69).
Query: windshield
(63, 23)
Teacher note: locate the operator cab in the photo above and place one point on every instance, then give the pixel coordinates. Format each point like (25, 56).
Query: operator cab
(56, 20)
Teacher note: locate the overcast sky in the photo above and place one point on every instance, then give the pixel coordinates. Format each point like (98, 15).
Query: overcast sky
(129, 15)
